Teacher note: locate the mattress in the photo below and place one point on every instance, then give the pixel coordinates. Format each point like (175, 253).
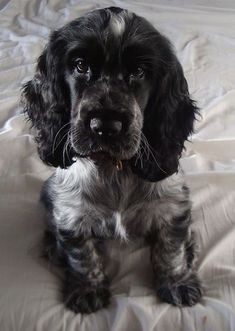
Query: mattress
(203, 33)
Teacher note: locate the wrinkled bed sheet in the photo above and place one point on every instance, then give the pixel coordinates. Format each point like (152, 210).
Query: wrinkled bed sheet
(203, 33)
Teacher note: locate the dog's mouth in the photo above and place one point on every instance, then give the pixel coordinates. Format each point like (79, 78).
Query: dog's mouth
(105, 156)
(102, 158)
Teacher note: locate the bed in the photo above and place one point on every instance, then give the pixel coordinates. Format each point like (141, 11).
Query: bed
(203, 34)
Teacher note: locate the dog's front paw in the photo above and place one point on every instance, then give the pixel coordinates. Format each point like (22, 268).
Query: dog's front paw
(184, 291)
(87, 299)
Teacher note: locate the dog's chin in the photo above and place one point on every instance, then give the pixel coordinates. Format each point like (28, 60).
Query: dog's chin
(106, 157)
(101, 156)
(103, 159)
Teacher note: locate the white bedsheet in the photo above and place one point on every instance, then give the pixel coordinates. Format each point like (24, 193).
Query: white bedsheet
(203, 33)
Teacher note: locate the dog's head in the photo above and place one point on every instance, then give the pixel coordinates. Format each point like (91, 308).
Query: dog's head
(108, 85)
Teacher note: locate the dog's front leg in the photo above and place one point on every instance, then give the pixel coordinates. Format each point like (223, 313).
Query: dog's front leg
(172, 254)
(86, 286)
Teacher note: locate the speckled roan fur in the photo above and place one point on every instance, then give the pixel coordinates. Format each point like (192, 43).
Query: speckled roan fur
(87, 204)
(87, 199)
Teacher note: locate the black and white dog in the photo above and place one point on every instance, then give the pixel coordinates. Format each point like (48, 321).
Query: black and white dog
(111, 109)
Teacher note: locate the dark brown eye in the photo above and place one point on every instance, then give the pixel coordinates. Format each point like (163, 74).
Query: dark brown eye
(137, 73)
(82, 66)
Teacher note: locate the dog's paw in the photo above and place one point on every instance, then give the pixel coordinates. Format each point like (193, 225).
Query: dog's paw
(86, 299)
(184, 291)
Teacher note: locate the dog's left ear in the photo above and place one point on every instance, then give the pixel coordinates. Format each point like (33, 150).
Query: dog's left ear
(168, 121)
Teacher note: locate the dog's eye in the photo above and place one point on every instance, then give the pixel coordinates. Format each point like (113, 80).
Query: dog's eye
(137, 73)
(82, 66)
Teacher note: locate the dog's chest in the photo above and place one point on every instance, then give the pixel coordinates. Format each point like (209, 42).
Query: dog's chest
(119, 206)
(105, 205)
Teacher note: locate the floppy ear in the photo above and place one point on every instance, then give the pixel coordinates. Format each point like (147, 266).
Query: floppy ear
(46, 102)
(168, 121)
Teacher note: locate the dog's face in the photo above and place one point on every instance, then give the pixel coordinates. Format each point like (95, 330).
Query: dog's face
(108, 86)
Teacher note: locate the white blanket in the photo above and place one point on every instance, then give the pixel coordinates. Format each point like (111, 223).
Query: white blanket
(203, 33)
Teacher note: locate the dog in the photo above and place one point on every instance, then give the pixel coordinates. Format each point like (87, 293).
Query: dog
(111, 110)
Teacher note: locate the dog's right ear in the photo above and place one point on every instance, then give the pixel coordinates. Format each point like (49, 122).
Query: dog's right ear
(46, 102)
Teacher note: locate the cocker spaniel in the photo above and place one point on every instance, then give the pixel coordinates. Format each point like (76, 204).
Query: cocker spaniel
(111, 109)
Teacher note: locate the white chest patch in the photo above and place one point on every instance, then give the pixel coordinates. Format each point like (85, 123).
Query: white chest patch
(120, 231)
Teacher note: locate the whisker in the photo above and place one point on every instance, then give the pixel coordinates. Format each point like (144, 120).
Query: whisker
(145, 147)
(56, 136)
(152, 154)
(53, 150)
(150, 151)
(66, 148)
(64, 155)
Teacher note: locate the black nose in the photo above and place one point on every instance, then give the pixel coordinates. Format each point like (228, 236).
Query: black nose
(105, 127)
